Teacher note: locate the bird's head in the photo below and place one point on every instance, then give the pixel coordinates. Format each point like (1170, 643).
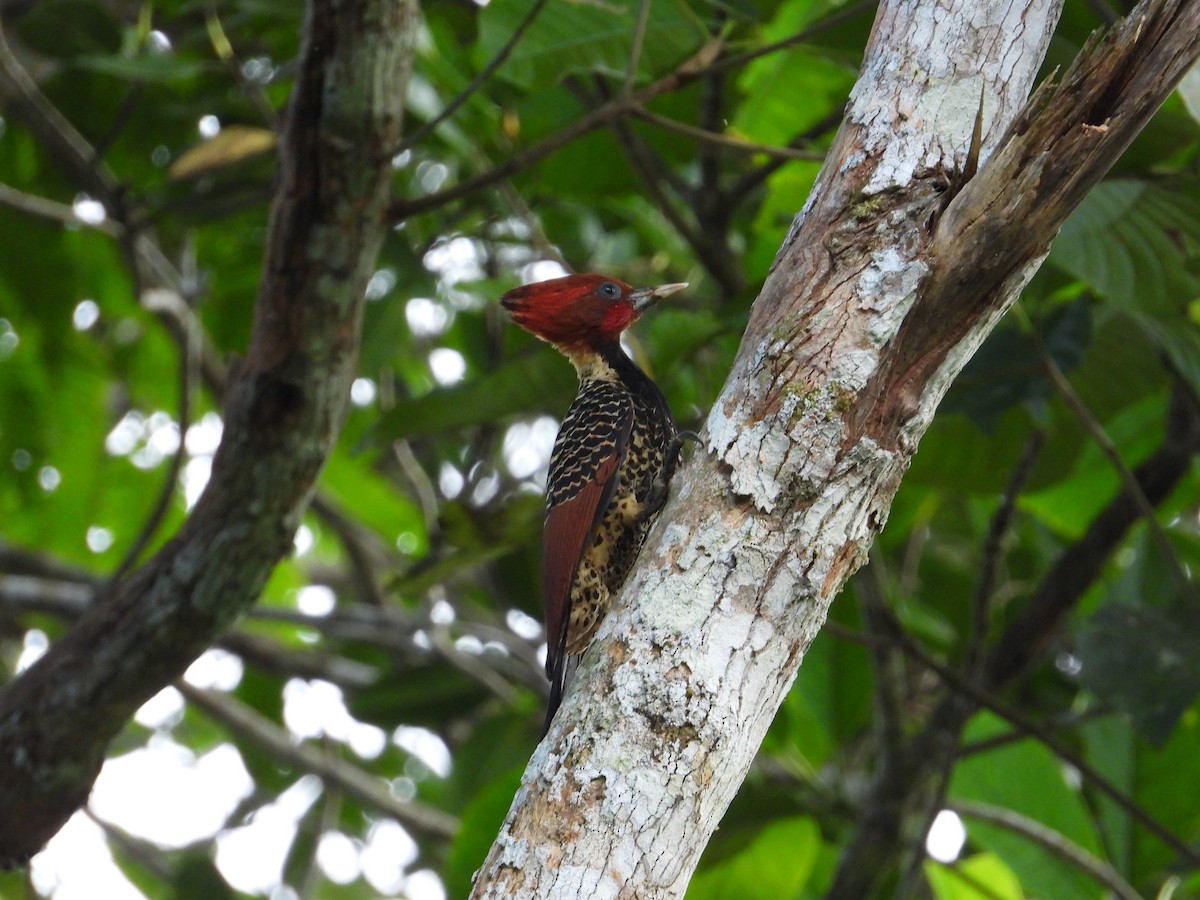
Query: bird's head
(581, 312)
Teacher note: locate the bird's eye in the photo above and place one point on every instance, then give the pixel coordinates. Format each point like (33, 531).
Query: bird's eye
(609, 291)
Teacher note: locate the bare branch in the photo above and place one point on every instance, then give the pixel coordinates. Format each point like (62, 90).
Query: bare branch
(993, 551)
(738, 145)
(368, 790)
(705, 60)
(44, 208)
(52, 129)
(635, 51)
(686, 73)
(988, 700)
(1077, 567)
(189, 362)
(483, 75)
(1100, 437)
(283, 410)
(876, 300)
(1053, 841)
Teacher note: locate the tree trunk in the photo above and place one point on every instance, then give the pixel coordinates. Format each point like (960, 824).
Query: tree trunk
(900, 264)
(282, 415)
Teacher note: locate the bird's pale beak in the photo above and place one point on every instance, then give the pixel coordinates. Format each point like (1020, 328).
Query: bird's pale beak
(644, 298)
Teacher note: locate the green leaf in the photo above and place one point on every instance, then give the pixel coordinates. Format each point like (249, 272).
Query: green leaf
(1027, 778)
(1137, 246)
(983, 876)
(770, 114)
(1069, 505)
(1168, 782)
(571, 36)
(1145, 661)
(418, 695)
(478, 827)
(375, 501)
(148, 66)
(1120, 367)
(777, 863)
(1112, 751)
(1007, 369)
(197, 878)
(64, 28)
(529, 383)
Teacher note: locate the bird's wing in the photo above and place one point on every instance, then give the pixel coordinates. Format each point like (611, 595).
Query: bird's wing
(587, 456)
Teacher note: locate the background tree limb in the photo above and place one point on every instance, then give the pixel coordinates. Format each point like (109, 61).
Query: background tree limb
(282, 414)
(890, 279)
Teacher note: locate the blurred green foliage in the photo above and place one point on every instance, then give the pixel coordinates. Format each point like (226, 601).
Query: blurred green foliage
(428, 521)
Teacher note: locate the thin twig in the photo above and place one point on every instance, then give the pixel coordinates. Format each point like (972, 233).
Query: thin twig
(717, 139)
(537, 234)
(128, 104)
(996, 741)
(887, 663)
(309, 882)
(752, 179)
(635, 50)
(656, 166)
(1022, 723)
(1051, 840)
(44, 208)
(986, 699)
(251, 726)
(709, 244)
(484, 74)
(1128, 482)
(421, 483)
(1080, 564)
(224, 49)
(911, 876)
(388, 627)
(644, 164)
(842, 15)
(63, 141)
(706, 59)
(51, 127)
(993, 549)
(70, 599)
(357, 549)
(189, 354)
(140, 851)
(685, 74)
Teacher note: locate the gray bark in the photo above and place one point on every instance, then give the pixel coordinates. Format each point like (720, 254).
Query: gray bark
(896, 269)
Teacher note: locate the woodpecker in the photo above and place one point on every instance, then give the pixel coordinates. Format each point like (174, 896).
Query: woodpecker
(613, 458)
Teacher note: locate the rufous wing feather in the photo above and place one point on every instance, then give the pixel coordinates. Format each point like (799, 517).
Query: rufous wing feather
(568, 529)
(584, 471)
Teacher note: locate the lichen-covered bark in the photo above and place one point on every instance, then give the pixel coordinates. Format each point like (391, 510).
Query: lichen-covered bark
(892, 276)
(282, 414)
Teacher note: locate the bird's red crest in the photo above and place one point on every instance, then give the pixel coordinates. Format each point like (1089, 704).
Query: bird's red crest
(574, 311)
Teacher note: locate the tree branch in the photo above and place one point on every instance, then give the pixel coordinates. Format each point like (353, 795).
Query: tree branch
(1077, 567)
(993, 551)
(685, 74)
(879, 295)
(283, 410)
(1050, 839)
(372, 792)
(484, 74)
(715, 138)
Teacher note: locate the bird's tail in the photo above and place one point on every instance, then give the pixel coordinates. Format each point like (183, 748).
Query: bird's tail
(560, 679)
